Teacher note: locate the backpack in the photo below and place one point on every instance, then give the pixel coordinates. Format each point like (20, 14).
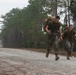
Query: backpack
(46, 22)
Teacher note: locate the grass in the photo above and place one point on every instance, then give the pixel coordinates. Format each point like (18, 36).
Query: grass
(61, 52)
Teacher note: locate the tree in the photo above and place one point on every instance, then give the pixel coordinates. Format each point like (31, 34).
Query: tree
(73, 10)
(23, 27)
(11, 32)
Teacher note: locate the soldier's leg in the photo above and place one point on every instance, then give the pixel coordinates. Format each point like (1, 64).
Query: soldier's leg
(56, 49)
(48, 48)
(72, 46)
(49, 43)
(68, 48)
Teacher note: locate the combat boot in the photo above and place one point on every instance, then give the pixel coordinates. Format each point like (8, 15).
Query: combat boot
(68, 58)
(47, 54)
(56, 57)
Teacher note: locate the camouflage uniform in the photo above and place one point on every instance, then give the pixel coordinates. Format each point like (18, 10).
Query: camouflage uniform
(53, 38)
(68, 37)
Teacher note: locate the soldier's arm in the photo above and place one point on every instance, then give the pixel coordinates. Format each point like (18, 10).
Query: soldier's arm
(60, 29)
(47, 30)
(74, 35)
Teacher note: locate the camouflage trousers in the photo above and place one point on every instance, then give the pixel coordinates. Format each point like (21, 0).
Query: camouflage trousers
(53, 41)
(69, 46)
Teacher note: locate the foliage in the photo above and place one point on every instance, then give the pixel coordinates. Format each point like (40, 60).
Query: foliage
(23, 27)
(73, 8)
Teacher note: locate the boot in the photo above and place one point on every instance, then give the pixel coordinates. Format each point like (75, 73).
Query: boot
(68, 55)
(56, 57)
(47, 54)
(68, 58)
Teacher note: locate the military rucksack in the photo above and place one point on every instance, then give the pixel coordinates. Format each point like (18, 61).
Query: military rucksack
(46, 22)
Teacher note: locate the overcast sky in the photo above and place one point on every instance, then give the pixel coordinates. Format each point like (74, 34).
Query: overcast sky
(7, 5)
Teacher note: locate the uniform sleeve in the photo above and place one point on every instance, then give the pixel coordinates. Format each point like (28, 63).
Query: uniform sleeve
(74, 32)
(60, 24)
(64, 34)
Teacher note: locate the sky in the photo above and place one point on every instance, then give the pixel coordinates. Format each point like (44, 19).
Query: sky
(7, 5)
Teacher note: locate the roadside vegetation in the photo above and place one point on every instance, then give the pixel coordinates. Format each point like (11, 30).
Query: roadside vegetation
(23, 28)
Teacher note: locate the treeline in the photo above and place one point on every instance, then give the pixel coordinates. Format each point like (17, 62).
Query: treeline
(23, 27)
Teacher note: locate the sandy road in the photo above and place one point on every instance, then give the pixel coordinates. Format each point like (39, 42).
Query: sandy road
(24, 62)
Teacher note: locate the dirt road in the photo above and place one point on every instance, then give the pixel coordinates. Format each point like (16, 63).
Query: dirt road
(24, 62)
